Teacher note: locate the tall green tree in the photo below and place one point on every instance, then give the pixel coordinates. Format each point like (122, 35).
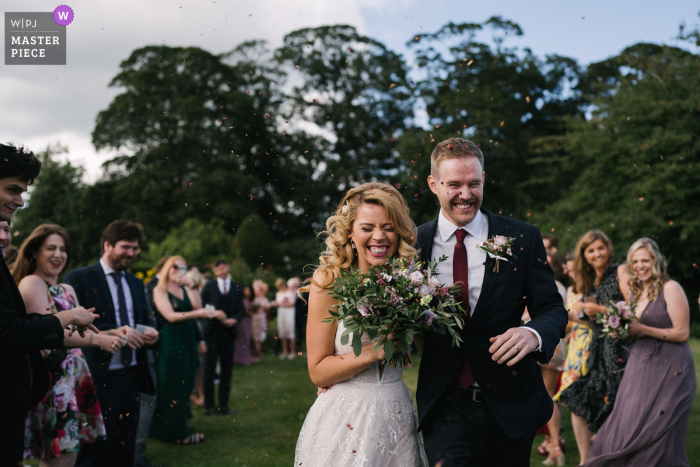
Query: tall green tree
(355, 92)
(203, 137)
(635, 161)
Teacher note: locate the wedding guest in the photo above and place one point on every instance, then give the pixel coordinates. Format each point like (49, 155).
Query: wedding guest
(220, 335)
(179, 304)
(648, 425)
(244, 341)
(260, 318)
(591, 396)
(284, 300)
(550, 374)
(551, 244)
(301, 312)
(198, 283)
(55, 429)
(23, 336)
(148, 401)
(121, 378)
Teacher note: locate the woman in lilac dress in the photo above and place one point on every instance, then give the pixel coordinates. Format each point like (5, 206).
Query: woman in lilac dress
(244, 341)
(649, 422)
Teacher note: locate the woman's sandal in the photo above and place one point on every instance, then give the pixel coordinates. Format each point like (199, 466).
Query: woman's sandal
(558, 458)
(194, 438)
(543, 448)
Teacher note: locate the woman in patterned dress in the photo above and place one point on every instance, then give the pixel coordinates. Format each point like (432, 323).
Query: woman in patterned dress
(591, 396)
(69, 415)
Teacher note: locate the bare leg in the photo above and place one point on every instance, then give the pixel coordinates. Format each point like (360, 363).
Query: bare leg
(285, 347)
(553, 425)
(583, 437)
(292, 348)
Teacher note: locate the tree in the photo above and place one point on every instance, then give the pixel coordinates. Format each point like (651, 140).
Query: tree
(636, 160)
(356, 93)
(256, 243)
(200, 244)
(203, 143)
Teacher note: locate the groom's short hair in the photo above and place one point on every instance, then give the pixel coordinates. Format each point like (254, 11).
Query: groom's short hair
(453, 148)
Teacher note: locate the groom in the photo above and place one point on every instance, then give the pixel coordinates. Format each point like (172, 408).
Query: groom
(480, 404)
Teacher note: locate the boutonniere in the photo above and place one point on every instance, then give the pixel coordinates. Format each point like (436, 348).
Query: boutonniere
(498, 248)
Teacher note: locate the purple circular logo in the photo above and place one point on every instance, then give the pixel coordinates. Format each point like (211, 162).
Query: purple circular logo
(63, 15)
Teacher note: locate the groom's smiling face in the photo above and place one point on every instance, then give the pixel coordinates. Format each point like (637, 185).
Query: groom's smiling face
(459, 185)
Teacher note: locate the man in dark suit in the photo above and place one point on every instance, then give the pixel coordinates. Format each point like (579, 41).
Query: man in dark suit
(120, 298)
(219, 335)
(480, 404)
(22, 336)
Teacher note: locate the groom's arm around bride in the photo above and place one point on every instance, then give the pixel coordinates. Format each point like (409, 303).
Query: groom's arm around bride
(481, 403)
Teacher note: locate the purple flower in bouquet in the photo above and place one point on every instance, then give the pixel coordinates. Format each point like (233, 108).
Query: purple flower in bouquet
(426, 290)
(416, 277)
(364, 309)
(429, 316)
(614, 321)
(433, 282)
(394, 298)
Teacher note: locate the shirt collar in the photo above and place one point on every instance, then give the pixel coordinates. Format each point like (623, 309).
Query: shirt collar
(220, 280)
(106, 267)
(447, 228)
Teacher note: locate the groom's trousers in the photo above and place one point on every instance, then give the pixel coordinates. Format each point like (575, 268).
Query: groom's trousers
(464, 433)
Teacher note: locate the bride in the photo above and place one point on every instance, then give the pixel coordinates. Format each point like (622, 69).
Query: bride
(367, 417)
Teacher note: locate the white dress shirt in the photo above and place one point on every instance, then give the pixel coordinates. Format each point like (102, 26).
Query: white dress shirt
(444, 244)
(224, 284)
(116, 362)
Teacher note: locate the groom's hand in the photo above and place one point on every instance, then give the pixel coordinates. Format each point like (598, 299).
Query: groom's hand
(513, 345)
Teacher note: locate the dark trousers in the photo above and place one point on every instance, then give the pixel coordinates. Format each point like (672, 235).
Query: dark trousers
(11, 442)
(220, 350)
(464, 433)
(119, 400)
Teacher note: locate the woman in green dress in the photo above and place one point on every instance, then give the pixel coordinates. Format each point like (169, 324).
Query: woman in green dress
(178, 305)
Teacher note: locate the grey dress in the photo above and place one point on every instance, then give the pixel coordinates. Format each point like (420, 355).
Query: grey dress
(649, 422)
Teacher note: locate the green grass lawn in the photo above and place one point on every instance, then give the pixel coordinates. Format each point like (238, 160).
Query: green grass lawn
(271, 400)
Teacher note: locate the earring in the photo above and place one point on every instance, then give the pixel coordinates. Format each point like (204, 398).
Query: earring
(352, 244)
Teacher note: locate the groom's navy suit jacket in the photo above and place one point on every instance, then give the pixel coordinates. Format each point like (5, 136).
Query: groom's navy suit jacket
(516, 394)
(92, 290)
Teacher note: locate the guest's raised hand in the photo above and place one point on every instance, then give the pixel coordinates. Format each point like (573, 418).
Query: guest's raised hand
(220, 315)
(151, 337)
(512, 346)
(135, 339)
(108, 343)
(635, 329)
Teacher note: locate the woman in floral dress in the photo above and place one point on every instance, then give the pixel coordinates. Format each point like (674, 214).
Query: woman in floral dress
(69, 414)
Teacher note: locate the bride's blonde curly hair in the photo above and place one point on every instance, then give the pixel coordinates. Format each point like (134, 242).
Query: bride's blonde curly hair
(338, 255)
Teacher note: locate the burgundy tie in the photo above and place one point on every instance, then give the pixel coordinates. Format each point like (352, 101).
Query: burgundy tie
(460, 273)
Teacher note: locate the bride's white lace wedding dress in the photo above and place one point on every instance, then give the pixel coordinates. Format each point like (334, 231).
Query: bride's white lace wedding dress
(368, 420)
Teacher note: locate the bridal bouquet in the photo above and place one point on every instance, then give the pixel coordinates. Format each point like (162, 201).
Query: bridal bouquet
(617, 318)
(392, 302)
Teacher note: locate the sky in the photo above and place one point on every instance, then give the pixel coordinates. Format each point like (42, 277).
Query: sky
(43, 105)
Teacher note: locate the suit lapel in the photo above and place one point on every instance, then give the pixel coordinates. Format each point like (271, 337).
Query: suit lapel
(426, 240)
(490, 277)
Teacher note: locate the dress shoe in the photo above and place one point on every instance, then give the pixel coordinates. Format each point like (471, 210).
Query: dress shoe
(211, 412)
(225, 411)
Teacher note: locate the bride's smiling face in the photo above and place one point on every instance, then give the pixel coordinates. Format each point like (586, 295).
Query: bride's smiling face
(373, 233)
